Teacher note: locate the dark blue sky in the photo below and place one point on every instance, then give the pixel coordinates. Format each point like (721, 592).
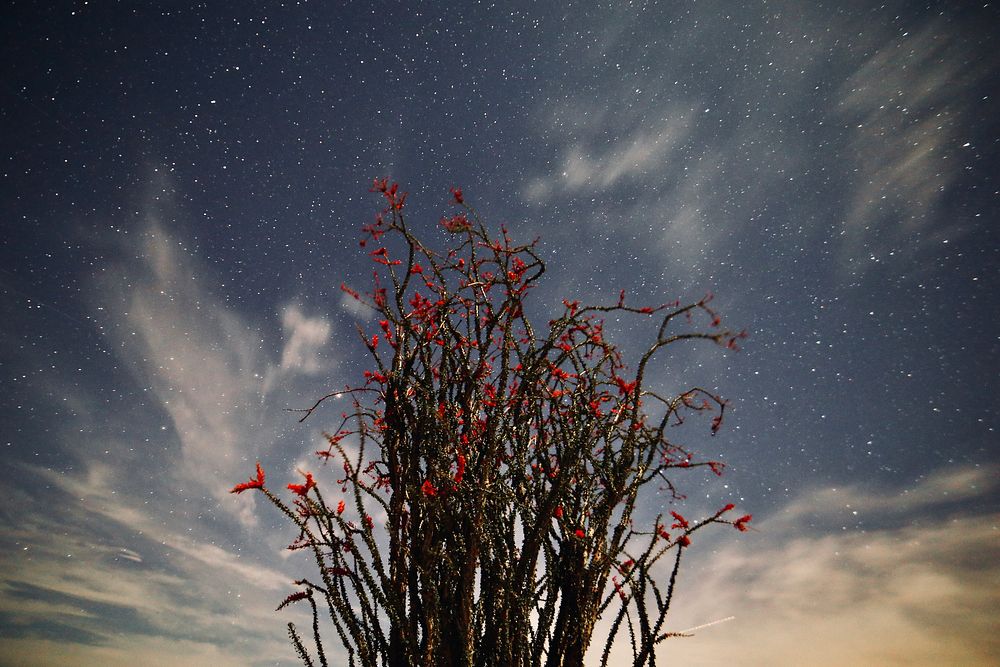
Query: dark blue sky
(183, 189)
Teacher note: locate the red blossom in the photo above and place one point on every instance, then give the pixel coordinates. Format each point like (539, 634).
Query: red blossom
(375, 376)
(457, 194)
(618, 588)
(428, 489)
(741, 523)
(456, 223)
(389, 192)
(624, 388)
(460, 465)
(684, 541)
(558, 513)
(731, 341)
(253, 483)
(303, 489)
(341, 507)
(579, 533)
(559, 373)
(681, 522)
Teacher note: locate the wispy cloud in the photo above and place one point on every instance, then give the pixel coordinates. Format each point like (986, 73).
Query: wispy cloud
(921, 586)
(129, 558)
(784, 151)
(199, 360)
(585, 168)
(305, 339)
(207, 366)
(123, 651)
(907, 107)
(355, 307)
(104, 576)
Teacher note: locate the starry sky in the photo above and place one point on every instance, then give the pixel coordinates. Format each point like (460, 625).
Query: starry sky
(183, 187)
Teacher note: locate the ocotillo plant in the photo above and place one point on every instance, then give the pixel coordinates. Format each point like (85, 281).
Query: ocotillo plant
(505, 464)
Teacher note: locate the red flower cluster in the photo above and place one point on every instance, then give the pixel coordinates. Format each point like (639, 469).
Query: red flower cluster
(389, 191)
(456, 223)
(253, 483)
(624, 388)
(303, 489)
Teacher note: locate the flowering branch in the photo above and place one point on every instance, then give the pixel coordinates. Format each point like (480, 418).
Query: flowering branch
(508, 461)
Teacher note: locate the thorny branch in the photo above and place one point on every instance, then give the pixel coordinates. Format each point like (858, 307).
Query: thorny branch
(506, 463)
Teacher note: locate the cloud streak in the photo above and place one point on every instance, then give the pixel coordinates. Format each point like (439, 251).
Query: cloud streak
(921, 589)
(200, 361)
(800, 147)
(632, 156)
(908, 106)
(129, 557)
(205, 365)
(114, 582)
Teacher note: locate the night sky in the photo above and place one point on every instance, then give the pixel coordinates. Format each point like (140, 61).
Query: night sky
(183, 188)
